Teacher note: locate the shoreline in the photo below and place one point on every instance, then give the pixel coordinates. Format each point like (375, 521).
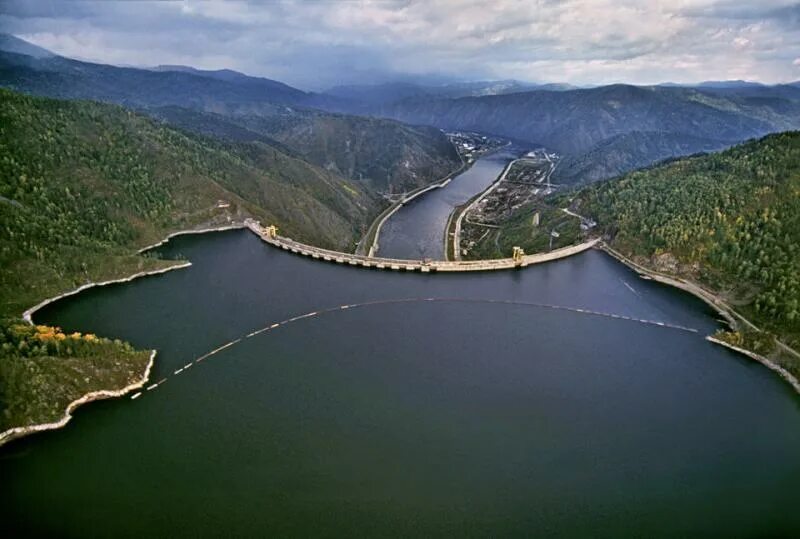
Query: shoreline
(101, 394)
(731, 317)
(696, 290)
(384, 216)
(465, 210)
(18, 432)
(235, 226)
(28, 314)
(768, 363)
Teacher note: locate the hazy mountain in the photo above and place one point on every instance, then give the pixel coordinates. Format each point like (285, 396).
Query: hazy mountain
(383, 154)
(9, 43)
(629, 151)
(601, 131)
(71, 79)
(715, 84)
(230, 75)
(588, 122)
(365, 97)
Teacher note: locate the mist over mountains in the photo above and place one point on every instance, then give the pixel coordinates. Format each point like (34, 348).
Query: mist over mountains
(601, 132)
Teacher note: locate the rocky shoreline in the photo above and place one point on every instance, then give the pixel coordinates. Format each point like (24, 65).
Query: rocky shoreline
(731, 317)
(222, 228)
(783, 373)
(28, 314)
(18, 432)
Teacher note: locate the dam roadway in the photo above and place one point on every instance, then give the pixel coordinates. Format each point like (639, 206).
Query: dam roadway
(424, 266)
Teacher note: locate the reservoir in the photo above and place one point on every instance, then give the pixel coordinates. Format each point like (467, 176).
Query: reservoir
(416, 231)
(486, 412)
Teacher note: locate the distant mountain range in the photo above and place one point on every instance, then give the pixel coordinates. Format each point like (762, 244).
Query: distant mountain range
(601, 132)
(632, 126)
(9, 43)
(385, 155)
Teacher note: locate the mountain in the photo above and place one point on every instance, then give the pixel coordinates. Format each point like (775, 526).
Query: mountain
(383, 154)
(574, 121)
(622, 153)
(71, 79)
(84, 180)
(582, 122)
(9, 43)
(365, 97)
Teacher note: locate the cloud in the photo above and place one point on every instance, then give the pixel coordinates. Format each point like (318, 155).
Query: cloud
(317, 44)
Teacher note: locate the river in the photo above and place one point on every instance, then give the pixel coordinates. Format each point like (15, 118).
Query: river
(416, 418)
(416, 231)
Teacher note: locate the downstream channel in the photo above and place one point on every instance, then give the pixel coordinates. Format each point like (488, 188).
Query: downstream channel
(416, 231)
(412, 418)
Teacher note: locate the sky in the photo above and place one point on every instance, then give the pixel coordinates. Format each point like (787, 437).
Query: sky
(317, 44)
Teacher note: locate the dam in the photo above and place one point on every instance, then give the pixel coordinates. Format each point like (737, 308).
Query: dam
(519, 260)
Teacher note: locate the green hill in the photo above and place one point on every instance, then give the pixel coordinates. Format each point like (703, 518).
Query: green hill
(383, 155)
(730, 221)
(83, 177)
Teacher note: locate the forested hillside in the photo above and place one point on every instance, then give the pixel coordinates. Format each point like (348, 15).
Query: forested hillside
(83, 185)
(629, 151)
(385, 155)
(610, 130)
(730, 220)
(82, 176)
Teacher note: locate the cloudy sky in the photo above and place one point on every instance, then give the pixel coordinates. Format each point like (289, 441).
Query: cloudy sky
(316, 44)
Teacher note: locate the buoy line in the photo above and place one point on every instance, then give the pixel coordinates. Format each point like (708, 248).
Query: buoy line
(329, 310)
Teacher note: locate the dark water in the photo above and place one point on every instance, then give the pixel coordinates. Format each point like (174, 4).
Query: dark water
(416, 230)
(410, 419)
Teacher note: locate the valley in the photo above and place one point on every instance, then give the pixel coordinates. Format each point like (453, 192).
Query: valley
(327, 286)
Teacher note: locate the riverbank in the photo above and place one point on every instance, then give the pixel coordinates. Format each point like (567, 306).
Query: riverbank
(18, 432)
(733, 318)
(369, 244)
(462, 211)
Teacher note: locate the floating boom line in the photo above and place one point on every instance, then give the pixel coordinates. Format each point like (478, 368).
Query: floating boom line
(312, 314)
